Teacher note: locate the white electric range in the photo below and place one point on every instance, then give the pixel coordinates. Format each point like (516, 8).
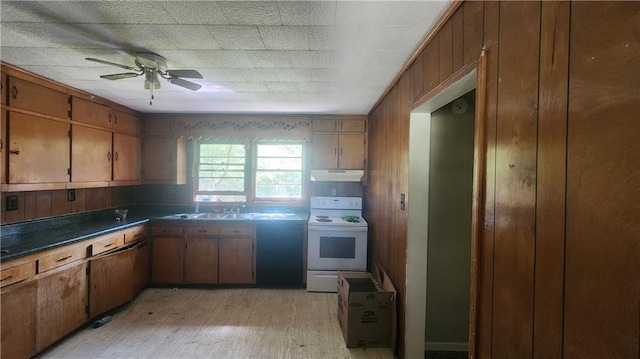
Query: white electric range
(337, 240)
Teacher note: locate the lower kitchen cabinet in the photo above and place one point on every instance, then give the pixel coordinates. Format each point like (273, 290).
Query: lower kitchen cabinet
(18, 308)
(235, 260)
(201, 260)
(141, 266)
(167, 260)
(111, 280)
(62, 299)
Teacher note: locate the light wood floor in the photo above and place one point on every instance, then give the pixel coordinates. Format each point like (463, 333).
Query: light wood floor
(218, 323)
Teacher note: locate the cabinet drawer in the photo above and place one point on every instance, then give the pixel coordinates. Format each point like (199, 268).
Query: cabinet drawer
(107, 244)
(134, 234)
(201, 231)
(17, 273)
(167, 231)
(61, 258)
(236, 231)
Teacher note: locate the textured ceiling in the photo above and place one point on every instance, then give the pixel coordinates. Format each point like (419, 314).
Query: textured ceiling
(332, 57)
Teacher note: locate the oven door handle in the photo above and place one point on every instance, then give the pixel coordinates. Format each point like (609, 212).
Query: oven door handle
(336, 229)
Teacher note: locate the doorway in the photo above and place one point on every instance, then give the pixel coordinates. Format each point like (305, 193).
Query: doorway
(441, 155)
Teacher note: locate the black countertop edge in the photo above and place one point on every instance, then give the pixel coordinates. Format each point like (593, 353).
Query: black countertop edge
(33, 242)
(36, 236)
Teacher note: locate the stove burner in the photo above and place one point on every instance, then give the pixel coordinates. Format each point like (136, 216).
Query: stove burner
(323, 219)
(352, 220)
(322, 216)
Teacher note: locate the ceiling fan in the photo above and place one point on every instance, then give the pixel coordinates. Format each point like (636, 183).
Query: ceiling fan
(152, 66)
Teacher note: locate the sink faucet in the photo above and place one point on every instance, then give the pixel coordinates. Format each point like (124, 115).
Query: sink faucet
(197, 207)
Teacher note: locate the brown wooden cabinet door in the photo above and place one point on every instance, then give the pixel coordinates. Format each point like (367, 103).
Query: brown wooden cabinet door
(167, 260)
(110, 281)
(351, 155)
(164, 160)
(90, 154)
(18, 314)
(62, 301)
(91, 113)
(38, 149)
(161, 126)
(33, 97)
(201, 260)
(3, 87)
(125, 122)
(324, 151)
(3, 143)
(141, 267)
(235, 260)
(126, 157)
(325, 125)
(352, 126)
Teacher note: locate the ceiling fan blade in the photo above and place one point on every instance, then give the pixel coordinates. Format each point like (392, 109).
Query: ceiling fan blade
(111, 64)
(184, 83)
(123, 75)
(190, 74)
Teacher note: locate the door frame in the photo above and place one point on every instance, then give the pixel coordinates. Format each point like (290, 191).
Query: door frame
(471, 76)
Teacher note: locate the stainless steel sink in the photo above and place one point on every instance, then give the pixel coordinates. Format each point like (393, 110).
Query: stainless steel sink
(210, 215)
(240, 215)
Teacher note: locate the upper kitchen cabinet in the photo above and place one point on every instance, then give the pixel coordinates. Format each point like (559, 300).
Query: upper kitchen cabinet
(126, 159)
(125, 122)
(164, 155)
(3, 142)
(164, 160)
(37, 150)
(91, 113)
(159, 126)
(347, 124)
(3, 87)
(105, 149)
(25, 95)
(338, 143)
(91, 156)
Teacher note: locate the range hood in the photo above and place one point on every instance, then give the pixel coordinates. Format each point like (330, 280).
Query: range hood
(337, 175)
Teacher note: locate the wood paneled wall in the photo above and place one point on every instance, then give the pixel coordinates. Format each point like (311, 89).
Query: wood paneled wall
(558, 268)
(42, 204)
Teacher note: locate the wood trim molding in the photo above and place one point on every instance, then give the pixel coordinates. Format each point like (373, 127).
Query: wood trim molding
(446, 15)
(477, 204)
(466, 69)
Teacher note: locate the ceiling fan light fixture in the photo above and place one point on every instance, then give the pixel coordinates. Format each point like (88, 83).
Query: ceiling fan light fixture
(151, 80)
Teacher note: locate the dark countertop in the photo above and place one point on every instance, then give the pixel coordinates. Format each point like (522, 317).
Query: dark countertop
(31, 237)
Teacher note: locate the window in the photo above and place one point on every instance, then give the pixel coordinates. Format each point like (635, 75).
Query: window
(278, 171)
(227, 173)
(221, 172)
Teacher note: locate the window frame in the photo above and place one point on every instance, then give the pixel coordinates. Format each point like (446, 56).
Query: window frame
(250, 173)
(247, 171)
(254, 172)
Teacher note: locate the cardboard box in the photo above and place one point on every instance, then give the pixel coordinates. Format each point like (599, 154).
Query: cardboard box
(367, 309)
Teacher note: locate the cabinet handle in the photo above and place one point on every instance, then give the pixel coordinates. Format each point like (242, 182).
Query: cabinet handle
(109, 156)
(110, 118)
(165, 231)
(116, 156)
(109, 245)
(237, 231)
(14, 152)
(335, 151)
(63, 259)
(335, 125)
(14, 92)
(6, 278)
(115, 119)
(341, 125)
(202, 231)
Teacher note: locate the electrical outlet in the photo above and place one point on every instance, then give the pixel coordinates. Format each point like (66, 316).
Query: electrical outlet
(12, 203)
(71, 195)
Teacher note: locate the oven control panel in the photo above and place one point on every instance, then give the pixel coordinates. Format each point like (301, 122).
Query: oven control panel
(350, 203)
